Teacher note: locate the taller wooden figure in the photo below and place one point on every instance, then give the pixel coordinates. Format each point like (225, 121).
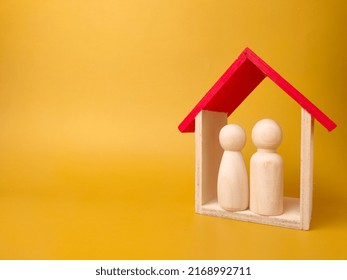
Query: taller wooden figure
(232, 183)
(266, 170)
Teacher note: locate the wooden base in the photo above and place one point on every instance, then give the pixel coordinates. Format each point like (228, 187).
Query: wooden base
(290, 218)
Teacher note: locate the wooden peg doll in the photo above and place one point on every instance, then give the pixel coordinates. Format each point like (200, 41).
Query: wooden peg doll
(232, 185)
(266, 170)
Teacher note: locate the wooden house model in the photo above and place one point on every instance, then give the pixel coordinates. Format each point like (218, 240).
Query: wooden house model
(210, 115)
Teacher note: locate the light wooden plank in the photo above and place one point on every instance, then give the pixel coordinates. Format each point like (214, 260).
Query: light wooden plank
(289, 219)
(208, 155)
(306, 169)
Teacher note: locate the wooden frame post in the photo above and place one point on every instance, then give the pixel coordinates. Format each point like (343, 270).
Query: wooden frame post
(208, 155)
(306, 169)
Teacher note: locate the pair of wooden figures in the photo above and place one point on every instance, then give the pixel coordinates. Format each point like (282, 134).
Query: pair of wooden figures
(263, 194)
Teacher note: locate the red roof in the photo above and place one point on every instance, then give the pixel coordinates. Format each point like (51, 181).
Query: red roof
(240, 79)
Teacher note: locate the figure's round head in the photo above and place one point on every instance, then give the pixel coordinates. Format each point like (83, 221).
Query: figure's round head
(232, 137)
(267, 134)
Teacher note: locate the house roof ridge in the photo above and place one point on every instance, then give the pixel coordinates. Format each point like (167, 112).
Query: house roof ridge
(251, 74)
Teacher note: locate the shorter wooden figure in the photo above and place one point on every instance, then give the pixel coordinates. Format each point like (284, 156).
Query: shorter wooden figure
(232, 185)
(266, 170)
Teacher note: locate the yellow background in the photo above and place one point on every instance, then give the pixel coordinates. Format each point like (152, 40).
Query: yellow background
(92, 165)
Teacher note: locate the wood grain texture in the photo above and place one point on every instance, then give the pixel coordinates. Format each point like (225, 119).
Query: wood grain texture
(306, 169)
(289, 219)
(208, 155)
(266, 169)
(232, 185)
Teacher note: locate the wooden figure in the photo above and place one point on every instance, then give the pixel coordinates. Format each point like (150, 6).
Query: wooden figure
(232, 185)
(210, 114)
(266, 170)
